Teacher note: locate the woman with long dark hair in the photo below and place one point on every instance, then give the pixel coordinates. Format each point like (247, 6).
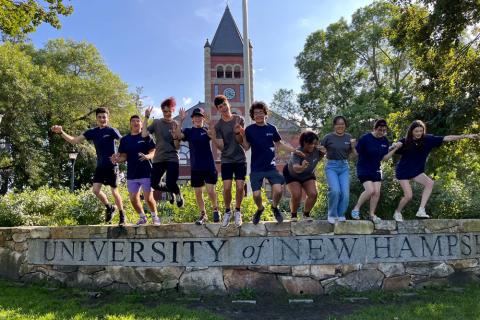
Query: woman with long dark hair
(415, 150)
(299, 174)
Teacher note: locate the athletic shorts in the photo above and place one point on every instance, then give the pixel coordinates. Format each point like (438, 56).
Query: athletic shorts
(107, 176)
(288, 177)
(199, 178)
(231, 170)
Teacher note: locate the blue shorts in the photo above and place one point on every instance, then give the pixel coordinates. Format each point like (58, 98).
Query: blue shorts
(273, 176)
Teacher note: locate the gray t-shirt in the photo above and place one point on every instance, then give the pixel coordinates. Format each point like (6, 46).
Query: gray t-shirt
(338, 147)
(313, 158)
(232, 151)
(164, 145)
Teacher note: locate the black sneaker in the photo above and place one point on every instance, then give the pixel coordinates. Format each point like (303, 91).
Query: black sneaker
(109, 213)
(202, 219)
(216, 216)
(278, 216)
(179, 200)
(121, 221)
(256, 216)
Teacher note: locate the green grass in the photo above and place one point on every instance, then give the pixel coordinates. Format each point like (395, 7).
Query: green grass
(428, 304)
(19, 302)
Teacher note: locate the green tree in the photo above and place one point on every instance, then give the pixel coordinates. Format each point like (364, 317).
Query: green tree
(20, 17)
(62, 83)
(353, 70)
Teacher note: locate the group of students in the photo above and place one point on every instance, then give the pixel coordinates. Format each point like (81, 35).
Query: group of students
(149, 161)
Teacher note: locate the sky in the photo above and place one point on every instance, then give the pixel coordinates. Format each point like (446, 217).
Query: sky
(158, 44)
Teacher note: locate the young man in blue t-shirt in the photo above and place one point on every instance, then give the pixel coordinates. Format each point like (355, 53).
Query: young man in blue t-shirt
(137, 152)
(106, 173)
(263, 137)
(203, 171)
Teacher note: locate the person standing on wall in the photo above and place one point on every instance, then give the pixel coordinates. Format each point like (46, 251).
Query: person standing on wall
(372, 148)
(299, 174)
(416, 146)
(263, 137)
(203, 171)
(106, 173)
(165, 159)
(137, 152)
(339, 146)
(233, 161)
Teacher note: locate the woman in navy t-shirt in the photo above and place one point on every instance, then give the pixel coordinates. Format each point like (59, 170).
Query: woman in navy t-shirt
(415, 150)
(372, 148)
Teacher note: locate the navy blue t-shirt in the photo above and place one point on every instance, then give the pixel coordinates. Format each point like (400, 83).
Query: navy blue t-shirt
(371, 151)
(132, 145)
(413, 160)
(104, 141)
(201, 157)
(261, 139)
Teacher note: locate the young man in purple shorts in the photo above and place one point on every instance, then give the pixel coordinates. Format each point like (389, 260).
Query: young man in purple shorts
(137, 152)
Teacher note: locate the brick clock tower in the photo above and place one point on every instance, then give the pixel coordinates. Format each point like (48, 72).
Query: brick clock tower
(224, 67)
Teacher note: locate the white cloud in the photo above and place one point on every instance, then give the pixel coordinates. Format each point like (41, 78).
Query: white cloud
(187, 101)
(304, 23)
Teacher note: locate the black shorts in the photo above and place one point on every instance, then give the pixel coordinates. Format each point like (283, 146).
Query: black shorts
(199, 178)
(229, 170)
(289, 178)
(376, 177)
(107, 176)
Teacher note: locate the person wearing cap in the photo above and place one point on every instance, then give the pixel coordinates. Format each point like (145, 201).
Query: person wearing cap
(203, 171)
(226, 138)
(165, 159)
(372, 148)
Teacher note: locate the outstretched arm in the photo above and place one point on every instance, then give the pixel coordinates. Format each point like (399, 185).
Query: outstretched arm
(281, 145)
(70, 139)
(459, 137)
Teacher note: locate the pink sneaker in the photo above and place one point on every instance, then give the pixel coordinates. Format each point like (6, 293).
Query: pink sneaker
(142, 220)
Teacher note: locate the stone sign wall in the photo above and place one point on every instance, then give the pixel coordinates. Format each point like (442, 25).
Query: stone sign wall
(299, 257)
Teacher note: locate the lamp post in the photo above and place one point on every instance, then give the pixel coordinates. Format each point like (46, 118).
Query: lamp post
(72, 156)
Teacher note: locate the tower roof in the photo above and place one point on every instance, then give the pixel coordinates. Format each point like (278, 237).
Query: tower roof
(227, 40)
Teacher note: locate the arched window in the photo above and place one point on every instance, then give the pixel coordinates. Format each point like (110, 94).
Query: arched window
(184, 154)
(237, 73)
(228, 72)
(220, 72)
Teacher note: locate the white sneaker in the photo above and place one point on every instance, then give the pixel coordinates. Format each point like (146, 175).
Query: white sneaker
(422, 214)
(331, 220)
(237, 217)
(397, 216)
(226, 219)
(341, 219)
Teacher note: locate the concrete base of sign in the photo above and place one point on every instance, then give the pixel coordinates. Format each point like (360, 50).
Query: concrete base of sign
(298, 258)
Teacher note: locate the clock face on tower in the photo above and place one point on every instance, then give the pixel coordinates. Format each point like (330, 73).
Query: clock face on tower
(229, 93)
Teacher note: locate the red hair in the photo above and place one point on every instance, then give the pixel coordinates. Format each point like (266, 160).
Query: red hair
(169, 102)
